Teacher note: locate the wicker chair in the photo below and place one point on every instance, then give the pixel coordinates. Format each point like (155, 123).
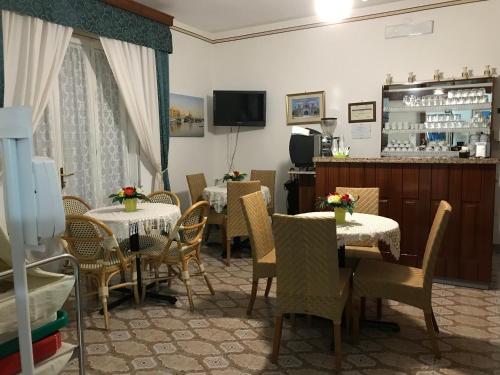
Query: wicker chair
(75, 205)
(266, 178)
(409, 285)
(94, 245)
(166, 197)
(307, 273)
(196, 184)
(261, 239)
(368, 203)
(177, 251)
(236, 224)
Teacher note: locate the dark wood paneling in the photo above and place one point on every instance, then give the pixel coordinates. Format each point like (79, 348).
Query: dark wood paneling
(410, 194)
(307, 193)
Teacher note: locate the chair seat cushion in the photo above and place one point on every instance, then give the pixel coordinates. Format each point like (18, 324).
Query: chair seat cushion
(370, 252)
(374, 278)
(156, 245)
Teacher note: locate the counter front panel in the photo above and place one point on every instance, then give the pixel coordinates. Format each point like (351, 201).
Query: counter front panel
(410, 194)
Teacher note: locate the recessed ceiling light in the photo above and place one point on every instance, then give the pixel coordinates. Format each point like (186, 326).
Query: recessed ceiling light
(333, 10)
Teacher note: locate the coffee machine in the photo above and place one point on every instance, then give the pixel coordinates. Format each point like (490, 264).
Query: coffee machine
(328, 125)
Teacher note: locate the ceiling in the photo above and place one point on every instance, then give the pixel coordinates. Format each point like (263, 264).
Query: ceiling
(222, 15)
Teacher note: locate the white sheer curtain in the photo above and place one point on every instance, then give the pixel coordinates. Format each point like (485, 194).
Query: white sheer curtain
(89, 129)
(134, 68)
(33, 53)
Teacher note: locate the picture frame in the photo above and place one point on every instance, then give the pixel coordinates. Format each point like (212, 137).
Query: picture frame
(362, 112)
(305, 108)
(186, 116)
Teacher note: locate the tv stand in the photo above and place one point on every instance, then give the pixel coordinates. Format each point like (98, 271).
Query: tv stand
(306, 195)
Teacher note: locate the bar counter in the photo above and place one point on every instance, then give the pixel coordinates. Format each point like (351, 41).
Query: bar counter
(410, 191)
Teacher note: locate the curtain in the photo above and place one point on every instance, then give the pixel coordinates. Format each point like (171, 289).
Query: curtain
(163, 105)
(134, 68)
(33, 52)
(89, 129)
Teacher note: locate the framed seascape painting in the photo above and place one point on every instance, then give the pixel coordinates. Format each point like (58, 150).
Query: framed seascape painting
(305, 108)
(187, 116)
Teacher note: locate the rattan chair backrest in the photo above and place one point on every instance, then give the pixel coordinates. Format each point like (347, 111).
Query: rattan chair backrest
(434, 241)
(196, 184)
(166, 197)
(236, 224)
(89, 240)
(266, 178)
(307, 267)
(258, 225)
(75, 205)
(368, 198)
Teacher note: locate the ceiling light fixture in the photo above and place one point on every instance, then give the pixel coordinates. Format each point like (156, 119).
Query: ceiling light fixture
(333, 10)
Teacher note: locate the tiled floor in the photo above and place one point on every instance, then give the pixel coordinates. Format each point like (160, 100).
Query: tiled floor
(219, 338)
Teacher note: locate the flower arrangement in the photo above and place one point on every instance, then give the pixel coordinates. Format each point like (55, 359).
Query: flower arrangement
(336, 200)
(129, 192)
(234, 176)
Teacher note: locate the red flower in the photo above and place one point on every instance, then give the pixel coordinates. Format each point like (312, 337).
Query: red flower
(129, 191)
(345, 197)
(236, 173)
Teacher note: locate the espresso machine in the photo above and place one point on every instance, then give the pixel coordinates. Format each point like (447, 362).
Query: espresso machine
(328, 141)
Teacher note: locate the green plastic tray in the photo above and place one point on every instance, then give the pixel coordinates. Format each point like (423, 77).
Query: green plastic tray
(12, 346)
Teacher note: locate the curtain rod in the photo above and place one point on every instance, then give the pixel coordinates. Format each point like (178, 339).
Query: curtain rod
(86, 34)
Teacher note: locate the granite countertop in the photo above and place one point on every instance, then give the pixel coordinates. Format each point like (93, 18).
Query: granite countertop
(423, 160)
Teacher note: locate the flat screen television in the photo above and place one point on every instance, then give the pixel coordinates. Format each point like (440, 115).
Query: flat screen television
(239, 108)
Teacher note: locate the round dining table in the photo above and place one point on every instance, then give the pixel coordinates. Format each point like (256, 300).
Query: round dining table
(365, 227)
(216, 196)
(130, 225)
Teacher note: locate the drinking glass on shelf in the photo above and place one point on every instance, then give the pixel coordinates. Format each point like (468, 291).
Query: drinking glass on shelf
(406, 100)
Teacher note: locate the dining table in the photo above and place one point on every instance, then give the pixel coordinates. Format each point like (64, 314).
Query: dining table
(216, 196)
(130, 226)
(359, 227)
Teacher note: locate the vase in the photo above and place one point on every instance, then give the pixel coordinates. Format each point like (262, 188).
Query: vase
(340, 215)
(130, 205)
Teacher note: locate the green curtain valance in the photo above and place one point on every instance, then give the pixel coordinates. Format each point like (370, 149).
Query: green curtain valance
(96, 17)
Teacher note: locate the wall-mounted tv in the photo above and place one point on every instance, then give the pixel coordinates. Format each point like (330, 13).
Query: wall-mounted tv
(239, 108)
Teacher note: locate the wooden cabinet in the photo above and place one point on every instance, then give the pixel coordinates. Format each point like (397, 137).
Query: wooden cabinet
(410, 194)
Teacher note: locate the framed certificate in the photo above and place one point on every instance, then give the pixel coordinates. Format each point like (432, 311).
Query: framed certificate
(362, 112)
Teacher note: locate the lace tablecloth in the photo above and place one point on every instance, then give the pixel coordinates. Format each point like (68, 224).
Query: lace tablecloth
(364, 227)
(217, 196)
(148, 215)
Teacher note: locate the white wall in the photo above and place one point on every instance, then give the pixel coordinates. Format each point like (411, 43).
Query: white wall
(348, 61)
(191, 74)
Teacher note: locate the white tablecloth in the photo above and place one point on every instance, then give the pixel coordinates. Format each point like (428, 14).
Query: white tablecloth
(148, 215)
(217, 196)
(363, 227)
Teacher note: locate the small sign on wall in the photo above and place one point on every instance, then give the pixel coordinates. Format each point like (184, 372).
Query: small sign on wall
(362, 112)
(361, 131)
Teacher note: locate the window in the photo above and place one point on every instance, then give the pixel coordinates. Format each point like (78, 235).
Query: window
(85, 127)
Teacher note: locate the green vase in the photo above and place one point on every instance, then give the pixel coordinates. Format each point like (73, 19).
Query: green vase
(130, 205)
(340, 215)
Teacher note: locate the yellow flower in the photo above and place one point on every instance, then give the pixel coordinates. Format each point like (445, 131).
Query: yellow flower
(333, 198)
(121, 193)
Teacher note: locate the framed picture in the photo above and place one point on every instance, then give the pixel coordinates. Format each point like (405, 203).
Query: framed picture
(362, 112)
(305, 108)
(187, 116)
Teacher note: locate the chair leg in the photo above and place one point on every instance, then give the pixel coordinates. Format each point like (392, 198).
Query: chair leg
(103, 294)
(228, 252)
(379, 308)
(278, 327)
(355, 319)
(169, 270)
(207, 232)
(135, 287)
(434, 323)
(187, 283)
(253, 295)
(268, 286)
(363, 308)
(337, 334)
(205, 276)
(144, 286)
(348, 314)
(432, 333)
